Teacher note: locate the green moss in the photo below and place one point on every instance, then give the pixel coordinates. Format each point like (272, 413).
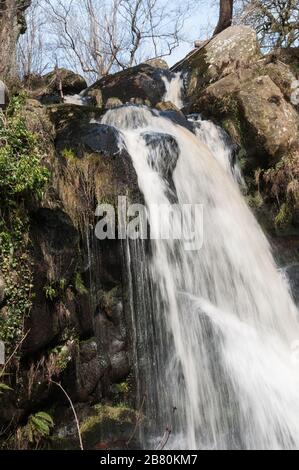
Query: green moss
(108, 423)
(123, 387)
(22, 178)
(50, 292)
(68, 154)
(79, 284)
(284, 217)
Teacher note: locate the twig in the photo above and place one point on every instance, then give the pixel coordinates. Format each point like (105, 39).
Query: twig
(73, 410)
(138, 419)
(162, 444)
(13, 353)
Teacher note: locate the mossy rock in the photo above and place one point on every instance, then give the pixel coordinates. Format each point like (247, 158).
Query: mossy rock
(104, 426)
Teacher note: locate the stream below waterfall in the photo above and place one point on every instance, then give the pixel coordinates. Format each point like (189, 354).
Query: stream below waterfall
(214, 326)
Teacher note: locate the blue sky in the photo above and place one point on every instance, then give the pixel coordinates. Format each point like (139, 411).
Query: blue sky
(202, 22)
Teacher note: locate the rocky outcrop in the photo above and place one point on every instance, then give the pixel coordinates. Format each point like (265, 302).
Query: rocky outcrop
(142, 84)
(78, 325)
(251, 96)
(51, 88)
(234, 48)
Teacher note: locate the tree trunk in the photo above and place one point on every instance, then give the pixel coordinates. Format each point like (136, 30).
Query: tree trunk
(226, 16)
(12, 24)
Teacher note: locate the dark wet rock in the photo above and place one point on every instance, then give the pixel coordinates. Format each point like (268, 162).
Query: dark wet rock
(293, 276)
(54, 253)
(63, 115)
(142, 82)
(112, 333)
(103, 139)
(120, 366)
(90, 367)
(178, 118)
(164, 153)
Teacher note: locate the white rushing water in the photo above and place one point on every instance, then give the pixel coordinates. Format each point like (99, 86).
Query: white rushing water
(216, 325)
(174, 89)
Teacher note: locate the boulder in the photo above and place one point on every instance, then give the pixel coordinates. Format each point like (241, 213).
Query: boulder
(234, 48)
(158, 64)
(143, 83)
(90, 367)
(283, 77)
(48, 88)
(163, 154)
(255, 112)
(111, 333)
(273, 124)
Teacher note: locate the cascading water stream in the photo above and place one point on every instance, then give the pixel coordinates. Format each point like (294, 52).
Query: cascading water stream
(214, 326)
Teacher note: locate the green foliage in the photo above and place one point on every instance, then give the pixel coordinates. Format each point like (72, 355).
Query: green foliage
(50, 292)
(22, 178)
(60, 358)
(38, 427)
(282, 184)
(68, 154)
(4, 388)
(21, 171)
(15, 266)
(123, 387)
(79, 284)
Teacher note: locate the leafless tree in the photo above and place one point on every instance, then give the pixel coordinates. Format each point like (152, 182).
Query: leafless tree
(276, 21)
(32, 48)
(97, 37)
(225, 15)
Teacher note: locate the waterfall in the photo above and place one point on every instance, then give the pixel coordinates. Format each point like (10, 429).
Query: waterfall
(214, 327)
(174, 89)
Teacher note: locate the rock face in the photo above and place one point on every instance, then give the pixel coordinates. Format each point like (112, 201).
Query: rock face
(142, 84)
(78, 327)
